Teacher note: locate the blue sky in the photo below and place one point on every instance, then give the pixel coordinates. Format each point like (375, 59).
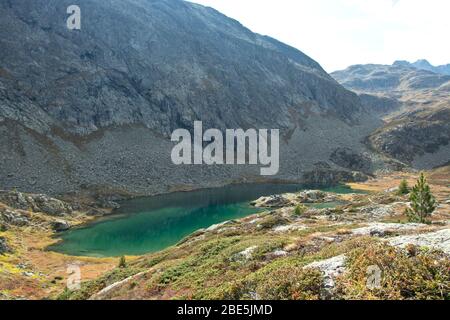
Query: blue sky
(339, 33)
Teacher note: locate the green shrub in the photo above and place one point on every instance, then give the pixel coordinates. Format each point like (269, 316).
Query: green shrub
(122, 262)
(291, 283)
(405, 274)
(403, 188)
(271, 222)
(300, 210)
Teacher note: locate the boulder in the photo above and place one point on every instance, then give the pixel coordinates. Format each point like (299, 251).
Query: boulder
(50, 206)
(244, 255)
(316, 196)
(274, 201)
(60, 226)
(331, 268)
(376, 211)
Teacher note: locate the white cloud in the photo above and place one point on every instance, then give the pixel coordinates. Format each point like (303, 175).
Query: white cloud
(338, 33)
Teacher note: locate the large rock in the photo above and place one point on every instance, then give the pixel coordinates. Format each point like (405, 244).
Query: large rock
(35, 202)
(316, 196)
(376, 212)
(331, 268)
(60, 225)
(273, 201)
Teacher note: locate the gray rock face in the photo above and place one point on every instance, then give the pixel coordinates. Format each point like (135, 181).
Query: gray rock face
(346, 158)
(416, 134)
(13, 218)
(94, 108)
(439, 240)
(379, 104)
(36, 203)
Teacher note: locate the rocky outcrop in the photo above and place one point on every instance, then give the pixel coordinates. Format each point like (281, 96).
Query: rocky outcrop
(244, 255)
(414, 135)
(347, 158)
(376, 212)
(380, 104)
(14, 218)
(439, 240)
(331, 268)
(379, 229)
(316, 196)
(274, 201)
(36, 203)
(327, 177)
(60, 226)
(293, 199)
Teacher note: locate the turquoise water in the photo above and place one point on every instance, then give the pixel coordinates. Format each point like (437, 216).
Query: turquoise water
(152, 224)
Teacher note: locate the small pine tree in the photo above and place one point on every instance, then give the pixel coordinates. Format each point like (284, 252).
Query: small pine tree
(122, 262)
(403, 188)
(422, 200)
(300, 210)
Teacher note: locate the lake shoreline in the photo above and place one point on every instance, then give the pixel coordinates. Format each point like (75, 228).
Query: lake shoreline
(198, 199)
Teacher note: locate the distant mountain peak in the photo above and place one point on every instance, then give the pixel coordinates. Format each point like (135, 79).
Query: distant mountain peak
(423, 64)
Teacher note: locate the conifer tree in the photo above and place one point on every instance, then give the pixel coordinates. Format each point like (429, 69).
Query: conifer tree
(422, 200)
(403, 188)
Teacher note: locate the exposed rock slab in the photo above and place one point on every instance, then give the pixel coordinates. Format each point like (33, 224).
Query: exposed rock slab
(436, 240)
(381, 229)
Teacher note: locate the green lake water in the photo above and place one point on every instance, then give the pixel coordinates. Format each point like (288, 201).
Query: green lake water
(146, 225)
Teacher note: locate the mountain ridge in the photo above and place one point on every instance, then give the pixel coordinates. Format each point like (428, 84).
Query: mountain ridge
(415, 105)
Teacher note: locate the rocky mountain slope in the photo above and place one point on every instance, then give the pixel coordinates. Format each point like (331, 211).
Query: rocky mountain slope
(92, 109)
(416, 106)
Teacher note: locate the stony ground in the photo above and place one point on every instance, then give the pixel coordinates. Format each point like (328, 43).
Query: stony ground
(308, 245)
